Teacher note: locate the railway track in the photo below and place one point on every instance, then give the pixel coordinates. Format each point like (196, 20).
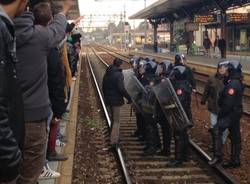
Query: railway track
(153, 169)
(201, 78)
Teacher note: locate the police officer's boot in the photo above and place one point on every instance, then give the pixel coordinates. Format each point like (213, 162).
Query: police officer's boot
(186, 147)
(235, 157)
(153, 140)
(167, 137)
(217, 158)
(178, 152)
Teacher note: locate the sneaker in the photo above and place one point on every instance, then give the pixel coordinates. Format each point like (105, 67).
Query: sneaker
(59, 143)
(54, 156)
(65, 117)
(74, 78)
(48, 173)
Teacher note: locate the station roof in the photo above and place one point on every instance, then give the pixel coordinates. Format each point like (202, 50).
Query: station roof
(176, 9)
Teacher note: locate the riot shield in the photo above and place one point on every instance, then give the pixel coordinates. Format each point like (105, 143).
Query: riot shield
(171, 105)
(134, 88)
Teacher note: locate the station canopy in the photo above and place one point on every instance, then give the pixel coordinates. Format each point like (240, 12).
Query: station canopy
(178, 9)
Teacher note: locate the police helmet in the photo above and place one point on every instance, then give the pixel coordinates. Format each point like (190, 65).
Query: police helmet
(179, 59)
(134, 61)
(152, 59)
(232, 66)
(178, 73)
(164, 67)
(147, 58)
(147, 67)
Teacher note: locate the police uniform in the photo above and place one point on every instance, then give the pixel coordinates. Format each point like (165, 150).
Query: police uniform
(140, 132)
(162, 71)
(180, 83)
(230, 112)
(151, 133)
(179, 61)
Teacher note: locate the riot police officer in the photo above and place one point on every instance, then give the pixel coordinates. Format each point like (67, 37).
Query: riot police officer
(163, 70)
(179, 79)
(230, 112)
(136, 63)
(147, 72)
(180, 60)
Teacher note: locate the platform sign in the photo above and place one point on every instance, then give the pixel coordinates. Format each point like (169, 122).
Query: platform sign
(209, 18)
(171, 105)
(191, 26)
(238, 17)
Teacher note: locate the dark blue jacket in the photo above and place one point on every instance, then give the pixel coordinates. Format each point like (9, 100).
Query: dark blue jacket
(113, 87)
(230, 100)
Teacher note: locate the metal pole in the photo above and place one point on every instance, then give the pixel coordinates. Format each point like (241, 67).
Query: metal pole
(125, 36)
(145, 26)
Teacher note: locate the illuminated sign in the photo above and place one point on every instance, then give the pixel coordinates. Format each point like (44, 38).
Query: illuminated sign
(205, 18)
(238, 17)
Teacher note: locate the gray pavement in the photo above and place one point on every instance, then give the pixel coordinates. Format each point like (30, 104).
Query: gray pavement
(210, 61)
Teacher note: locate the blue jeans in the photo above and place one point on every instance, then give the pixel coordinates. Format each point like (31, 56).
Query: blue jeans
(213, 122)
(48, 129)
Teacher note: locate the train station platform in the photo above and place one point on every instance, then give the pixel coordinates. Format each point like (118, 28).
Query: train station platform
(68, 129)
(205, 60)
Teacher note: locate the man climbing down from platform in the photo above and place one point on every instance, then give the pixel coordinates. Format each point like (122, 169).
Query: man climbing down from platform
(114, 92)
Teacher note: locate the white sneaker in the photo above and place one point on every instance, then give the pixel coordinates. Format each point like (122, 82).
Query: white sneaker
(59, 143)
(47, 173)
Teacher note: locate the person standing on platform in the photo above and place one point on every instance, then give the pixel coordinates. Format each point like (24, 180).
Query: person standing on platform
(216, 48)
(222, 46)
(33, 44)
(230, 112)
(11, 103)
(207, 45)
(114, 91)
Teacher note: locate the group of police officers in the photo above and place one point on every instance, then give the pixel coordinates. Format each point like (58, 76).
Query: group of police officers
(150, 117)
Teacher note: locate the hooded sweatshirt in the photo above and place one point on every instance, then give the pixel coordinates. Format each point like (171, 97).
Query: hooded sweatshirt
(33, 45)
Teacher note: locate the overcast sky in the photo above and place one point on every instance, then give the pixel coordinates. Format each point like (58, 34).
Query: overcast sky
(107, 7)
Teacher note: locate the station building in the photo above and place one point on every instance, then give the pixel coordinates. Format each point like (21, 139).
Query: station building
(188, 21)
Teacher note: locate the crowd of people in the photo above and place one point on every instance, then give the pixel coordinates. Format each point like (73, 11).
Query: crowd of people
(219, 46)
(223, 92)
(38, 62)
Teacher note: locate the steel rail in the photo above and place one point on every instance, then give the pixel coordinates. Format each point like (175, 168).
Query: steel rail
(246, 113)
(227, 177)
(118, 150)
